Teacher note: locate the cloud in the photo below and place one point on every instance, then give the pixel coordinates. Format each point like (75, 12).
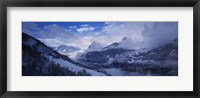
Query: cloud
(85, 29)
(61, 33)
(34, 30)
(82, 42)
(72, 27)
(84, 25)
(117, 31)
(159, 33)
(106, 23)
(52, 42)
(144, 34)
(32, 26)
(58, 30)
(67, 30)
(97, 33)
(49, 33)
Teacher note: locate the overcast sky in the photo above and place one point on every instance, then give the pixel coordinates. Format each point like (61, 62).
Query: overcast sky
(82, 34)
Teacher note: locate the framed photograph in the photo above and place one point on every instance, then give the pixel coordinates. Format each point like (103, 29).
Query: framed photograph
(85, 48)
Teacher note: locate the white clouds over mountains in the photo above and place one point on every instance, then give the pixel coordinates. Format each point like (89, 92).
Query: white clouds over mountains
(144, 34)
(85, 28)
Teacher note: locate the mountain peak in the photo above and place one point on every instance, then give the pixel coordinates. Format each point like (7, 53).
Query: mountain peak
(125, 43)
(94, 46)
(95, 43)
(126, 39)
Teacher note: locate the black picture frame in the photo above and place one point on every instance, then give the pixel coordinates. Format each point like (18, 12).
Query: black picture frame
(98, 3)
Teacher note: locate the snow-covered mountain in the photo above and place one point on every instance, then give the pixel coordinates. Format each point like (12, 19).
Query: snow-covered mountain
(94, 46)
(38, 59)
(115, 59)
(164, 57)
(125, 43)
(95, 52)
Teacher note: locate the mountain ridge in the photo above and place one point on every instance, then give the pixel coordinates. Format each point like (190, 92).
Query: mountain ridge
(38, 59)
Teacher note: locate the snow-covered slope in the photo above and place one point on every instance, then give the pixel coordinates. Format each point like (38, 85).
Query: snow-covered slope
(38, 59)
